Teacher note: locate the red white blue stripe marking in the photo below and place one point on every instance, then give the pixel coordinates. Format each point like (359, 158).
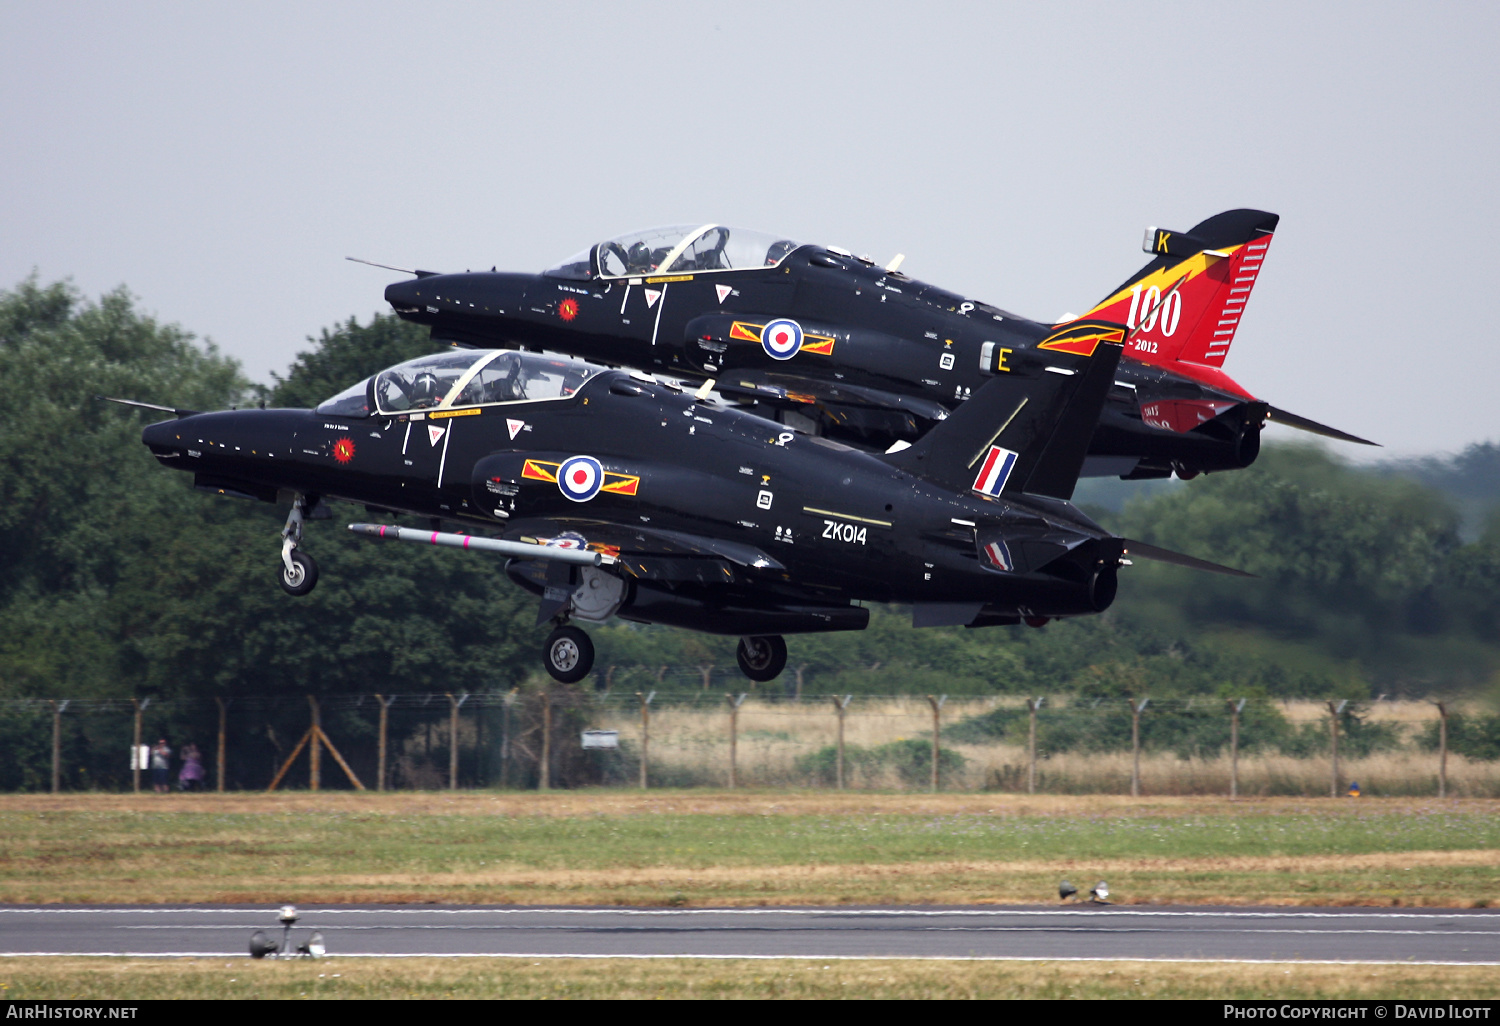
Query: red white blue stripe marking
(995, 471)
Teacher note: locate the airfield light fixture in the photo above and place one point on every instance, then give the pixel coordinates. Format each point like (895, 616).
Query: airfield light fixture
(262, 945)
(1100, 893)
(313, 947)
(1066, 890)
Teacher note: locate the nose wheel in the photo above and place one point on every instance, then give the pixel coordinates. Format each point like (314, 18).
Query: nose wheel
(298, 574)
(568, 655)
(761, 658)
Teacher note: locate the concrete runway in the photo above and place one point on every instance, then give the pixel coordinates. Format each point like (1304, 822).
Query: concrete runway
(1437, 936)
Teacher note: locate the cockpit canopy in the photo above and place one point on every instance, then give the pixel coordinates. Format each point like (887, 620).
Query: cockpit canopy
(676, 249)
(468, 377)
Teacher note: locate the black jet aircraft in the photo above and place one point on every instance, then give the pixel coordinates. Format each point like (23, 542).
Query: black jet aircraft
(616, 495)
(843, 347)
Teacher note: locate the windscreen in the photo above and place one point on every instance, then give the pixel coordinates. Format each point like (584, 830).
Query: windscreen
(351, 402)
(422, 383)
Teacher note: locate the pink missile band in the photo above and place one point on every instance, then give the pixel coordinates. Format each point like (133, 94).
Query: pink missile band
(382, 530)
(434, 537)
(466, 541)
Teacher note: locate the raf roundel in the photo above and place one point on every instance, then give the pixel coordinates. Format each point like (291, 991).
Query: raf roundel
(580, 478)
(781, 339)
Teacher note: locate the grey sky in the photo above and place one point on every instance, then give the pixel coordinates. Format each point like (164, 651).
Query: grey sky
(222, 159)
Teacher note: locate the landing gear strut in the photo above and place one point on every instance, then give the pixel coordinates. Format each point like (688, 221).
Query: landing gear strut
(761, 658)
(568, 654)
(298, 574)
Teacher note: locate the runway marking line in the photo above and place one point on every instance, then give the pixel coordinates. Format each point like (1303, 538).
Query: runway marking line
(1111, 910)
(766, 958)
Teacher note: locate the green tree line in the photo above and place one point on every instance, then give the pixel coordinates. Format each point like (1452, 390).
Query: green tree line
(122, 581)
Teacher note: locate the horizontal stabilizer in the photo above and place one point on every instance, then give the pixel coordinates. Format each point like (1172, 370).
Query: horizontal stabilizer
(1135, 548)
(1303, 424)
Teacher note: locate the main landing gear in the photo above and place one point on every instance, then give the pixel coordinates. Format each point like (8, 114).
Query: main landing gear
(298, 574)
(761, 658)
(569, 655)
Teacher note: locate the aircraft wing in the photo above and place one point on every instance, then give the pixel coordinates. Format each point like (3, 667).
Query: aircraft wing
(793, 389)
(647, 553)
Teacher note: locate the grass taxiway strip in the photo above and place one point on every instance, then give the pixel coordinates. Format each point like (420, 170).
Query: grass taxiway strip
(126, 979)
(741, 849)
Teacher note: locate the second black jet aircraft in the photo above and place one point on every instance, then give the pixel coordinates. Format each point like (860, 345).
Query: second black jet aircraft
(843, 347)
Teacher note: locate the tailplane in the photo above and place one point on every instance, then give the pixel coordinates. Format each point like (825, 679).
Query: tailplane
(1021, 434)
(1185, 305)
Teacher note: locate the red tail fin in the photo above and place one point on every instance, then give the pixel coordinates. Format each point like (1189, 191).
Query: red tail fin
(1185, 306)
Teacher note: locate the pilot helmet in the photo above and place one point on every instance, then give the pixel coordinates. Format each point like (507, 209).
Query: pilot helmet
(424, 389)
(638, 259)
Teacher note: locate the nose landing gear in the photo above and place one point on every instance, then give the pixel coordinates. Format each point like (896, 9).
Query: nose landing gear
(298, 574)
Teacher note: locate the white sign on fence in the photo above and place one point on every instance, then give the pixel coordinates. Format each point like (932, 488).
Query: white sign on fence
(601, 739)
(140, 757)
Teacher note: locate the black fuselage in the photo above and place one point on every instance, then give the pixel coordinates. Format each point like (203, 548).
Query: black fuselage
(838, 525)
(887, 356)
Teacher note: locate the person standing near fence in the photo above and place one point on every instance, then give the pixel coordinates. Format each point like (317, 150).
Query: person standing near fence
(161, 762)
(192, 774)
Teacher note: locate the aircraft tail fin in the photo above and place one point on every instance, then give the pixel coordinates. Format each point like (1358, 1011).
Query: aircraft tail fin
(1022, 434)
(1185, 305)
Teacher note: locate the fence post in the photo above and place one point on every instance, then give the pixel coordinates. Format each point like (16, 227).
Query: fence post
(1235, 708)
(135, 752)
(734, 733)
(544, 777)
(223, 704)
(1136, 708)
(1442, 749)
(505, 704)
(453, 706)
(1032, 705)
(314, 756)
(645, 732)
(384, 734)
(840, 706)
(58, 708)
(1334, 712)
(937, 706)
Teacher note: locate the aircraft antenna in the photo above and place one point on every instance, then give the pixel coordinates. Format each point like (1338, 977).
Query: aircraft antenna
(386, 267)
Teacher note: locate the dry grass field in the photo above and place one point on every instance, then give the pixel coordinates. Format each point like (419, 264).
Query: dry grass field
(31, 979)
(690, 746)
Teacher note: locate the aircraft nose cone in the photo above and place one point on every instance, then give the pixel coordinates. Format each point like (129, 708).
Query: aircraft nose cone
(161, 437)
(403, 294)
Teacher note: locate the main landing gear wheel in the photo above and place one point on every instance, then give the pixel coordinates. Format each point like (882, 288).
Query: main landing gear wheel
(761, 658)
(301, 577)
(569, 655)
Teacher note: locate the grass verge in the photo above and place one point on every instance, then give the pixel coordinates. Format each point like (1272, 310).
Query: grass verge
(739, 848)
(24, 979)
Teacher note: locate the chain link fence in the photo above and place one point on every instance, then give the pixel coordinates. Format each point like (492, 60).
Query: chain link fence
(555, 736)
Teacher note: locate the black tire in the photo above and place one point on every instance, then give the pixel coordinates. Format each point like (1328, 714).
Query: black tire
(302, 579)
(761, 658)
(568, 655)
